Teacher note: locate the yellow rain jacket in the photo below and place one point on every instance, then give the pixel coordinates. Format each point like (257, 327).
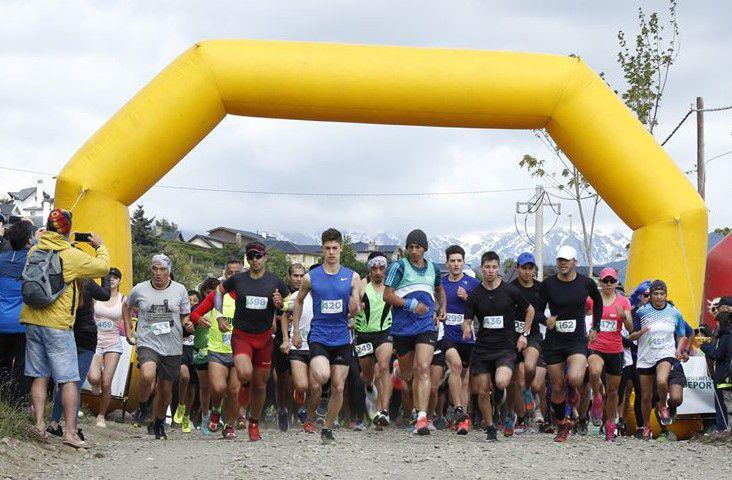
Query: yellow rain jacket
(76, 264)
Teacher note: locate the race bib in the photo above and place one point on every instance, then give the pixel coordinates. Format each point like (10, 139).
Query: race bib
(493, 322)
(226, 338)
(256, 303)
(656, 343)
(106, 325)
(304, 332)
(608, 325)
(454, 319)
(565, 326)
(188, 341)
(364, 349)
(328, 307)
(160, 328)
(519, 326)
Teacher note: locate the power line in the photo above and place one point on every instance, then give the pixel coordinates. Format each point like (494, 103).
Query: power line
(313, 194)
(693, 110)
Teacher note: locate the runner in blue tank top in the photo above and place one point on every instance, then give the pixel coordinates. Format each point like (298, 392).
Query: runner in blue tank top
(412, 284)
(334, 290)
(457, 350)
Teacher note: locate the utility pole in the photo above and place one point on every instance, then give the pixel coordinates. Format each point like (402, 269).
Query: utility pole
(536, 206)
(700, 172)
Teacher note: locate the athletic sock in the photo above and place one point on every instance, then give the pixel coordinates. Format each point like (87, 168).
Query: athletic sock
(558, 411)
(253, 420)
(421, 414)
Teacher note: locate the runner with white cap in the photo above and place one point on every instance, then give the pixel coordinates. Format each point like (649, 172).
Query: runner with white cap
(566, 336)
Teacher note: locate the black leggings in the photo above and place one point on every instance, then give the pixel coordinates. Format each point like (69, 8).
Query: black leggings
(630, 374)
(355, 391)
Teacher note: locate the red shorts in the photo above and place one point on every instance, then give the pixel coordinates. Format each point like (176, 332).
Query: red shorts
(257, 346)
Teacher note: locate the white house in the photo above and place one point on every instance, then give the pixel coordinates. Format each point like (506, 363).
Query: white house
(33, 201)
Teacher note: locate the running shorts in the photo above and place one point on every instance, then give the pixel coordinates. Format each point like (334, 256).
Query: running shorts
(404, 344)
(613, 361)
(300, 356)
(339, 355)
(376, 339)
(463, 349)
(652, 370)
(168, 366)
(257, 346)
(489, 361)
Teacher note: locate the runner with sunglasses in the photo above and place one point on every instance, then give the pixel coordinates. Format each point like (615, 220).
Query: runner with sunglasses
(606, 351)
(258, 294)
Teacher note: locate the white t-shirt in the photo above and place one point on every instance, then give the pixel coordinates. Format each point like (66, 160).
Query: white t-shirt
(305, 319)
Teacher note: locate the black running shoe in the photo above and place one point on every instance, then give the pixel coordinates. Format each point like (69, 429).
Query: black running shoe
(326, 436)
(491, 434)
(160, 430)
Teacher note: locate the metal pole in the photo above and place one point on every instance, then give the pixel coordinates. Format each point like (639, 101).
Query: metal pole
(700, 172)
(539, 231)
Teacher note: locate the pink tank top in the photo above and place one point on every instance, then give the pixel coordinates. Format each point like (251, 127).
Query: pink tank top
(109, 322)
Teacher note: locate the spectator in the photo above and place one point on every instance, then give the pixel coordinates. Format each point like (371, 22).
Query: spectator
(4, 243)
(720, 351)
(50, 349)
(85, 337)
(12, 333)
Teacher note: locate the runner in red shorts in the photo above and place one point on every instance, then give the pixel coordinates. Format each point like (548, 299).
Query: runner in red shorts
(258, 295)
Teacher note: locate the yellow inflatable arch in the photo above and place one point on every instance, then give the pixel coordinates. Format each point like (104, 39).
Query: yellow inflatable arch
(404, 86)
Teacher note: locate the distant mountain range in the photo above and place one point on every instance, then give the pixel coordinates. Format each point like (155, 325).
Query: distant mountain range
(608, 247)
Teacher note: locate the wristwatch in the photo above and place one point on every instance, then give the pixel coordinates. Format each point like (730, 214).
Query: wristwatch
(526, 334)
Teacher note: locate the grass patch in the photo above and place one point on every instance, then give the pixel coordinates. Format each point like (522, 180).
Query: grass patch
(15, 420)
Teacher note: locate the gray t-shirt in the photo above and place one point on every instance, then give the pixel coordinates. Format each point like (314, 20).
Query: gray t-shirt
(158, 316)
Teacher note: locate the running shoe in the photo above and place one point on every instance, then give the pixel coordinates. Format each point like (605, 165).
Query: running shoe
(663, 436)
(528, 400)
(101, 422)
(440, 423)
(213, 422)
(241, 422)
(160, 430)
(204, 425)
(521, 427)
(580, 427)
(283, 419)
(464, 427)
(563, 429)
(596, 410)
(254, 435)
(508, 424)
(545, 427)
(322, 408)
(371, 394)
(185, 424)
(359, 426)
(647, 433)
(302, 415)
(179, 412)
(228, 432)
(431, 426)
(326, 436)
(422, 427)
(491, 434)
(639, 434)
(664, 416)
(140, 415)
(610, 431)
(308, 427)
(269, 414)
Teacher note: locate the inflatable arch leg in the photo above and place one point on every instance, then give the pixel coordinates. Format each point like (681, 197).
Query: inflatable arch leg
(405, 86)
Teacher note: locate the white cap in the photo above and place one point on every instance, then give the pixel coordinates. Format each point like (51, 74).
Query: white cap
(567, 252)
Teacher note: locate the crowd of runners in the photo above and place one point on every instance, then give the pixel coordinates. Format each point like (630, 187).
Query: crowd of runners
(404, 347)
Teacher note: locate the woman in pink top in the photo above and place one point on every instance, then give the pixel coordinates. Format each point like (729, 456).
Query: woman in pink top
(606, 351)
(108, 317)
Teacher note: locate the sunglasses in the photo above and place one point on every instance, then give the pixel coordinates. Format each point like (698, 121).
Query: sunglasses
(609, 281)
(254, 256)
(646, 295)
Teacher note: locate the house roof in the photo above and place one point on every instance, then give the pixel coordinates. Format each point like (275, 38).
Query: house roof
(363, 247)
(287, 247)
(211, 242)
(244, 233)
(8, 209)
(25, 193)
(171, 235)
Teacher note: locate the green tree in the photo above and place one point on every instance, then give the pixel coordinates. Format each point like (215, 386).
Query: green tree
(349, 258)
(646, 67)
(141, 228)
(277, 263)
(723, 230)
(165, 226)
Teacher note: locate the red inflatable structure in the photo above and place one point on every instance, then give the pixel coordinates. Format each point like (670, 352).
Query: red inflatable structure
(718, 280)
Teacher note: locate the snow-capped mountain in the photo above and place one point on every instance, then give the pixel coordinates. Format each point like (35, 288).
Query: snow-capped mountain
(607, 247)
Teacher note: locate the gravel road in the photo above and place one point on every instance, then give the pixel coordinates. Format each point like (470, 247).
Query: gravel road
(122, 451)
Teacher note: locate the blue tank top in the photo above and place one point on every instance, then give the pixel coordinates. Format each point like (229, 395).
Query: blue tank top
(330, 294)
(456, 307)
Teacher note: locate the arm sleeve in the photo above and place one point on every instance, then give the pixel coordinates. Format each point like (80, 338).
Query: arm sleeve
(596, 304)
(80, 264)
(469, 309)
(185, 301)
(394, 275)
(101, 294)
(203, 308)
(636, 320)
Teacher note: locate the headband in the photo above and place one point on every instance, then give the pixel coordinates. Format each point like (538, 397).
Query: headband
(379, 261)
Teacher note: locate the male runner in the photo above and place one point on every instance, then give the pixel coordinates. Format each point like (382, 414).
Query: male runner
(335, 297)
(373, 340)
(662, 339)
(300, 357)
(412, 284)
(258, 295)
(457, 287)
(566, 336)
(497, 306)
(162, 312)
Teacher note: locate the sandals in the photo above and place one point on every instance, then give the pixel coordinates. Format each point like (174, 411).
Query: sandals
(77, 444)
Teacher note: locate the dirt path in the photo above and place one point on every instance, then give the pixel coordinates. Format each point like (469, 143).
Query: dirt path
(123, 452)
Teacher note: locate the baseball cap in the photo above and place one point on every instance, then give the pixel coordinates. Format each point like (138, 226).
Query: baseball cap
(567, 252)
(608, 272)
(525, 258)
(255, 247)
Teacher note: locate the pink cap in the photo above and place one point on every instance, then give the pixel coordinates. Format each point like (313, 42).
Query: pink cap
(609, 272)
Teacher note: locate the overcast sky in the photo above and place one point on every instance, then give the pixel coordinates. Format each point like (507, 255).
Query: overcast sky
(66, 67)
